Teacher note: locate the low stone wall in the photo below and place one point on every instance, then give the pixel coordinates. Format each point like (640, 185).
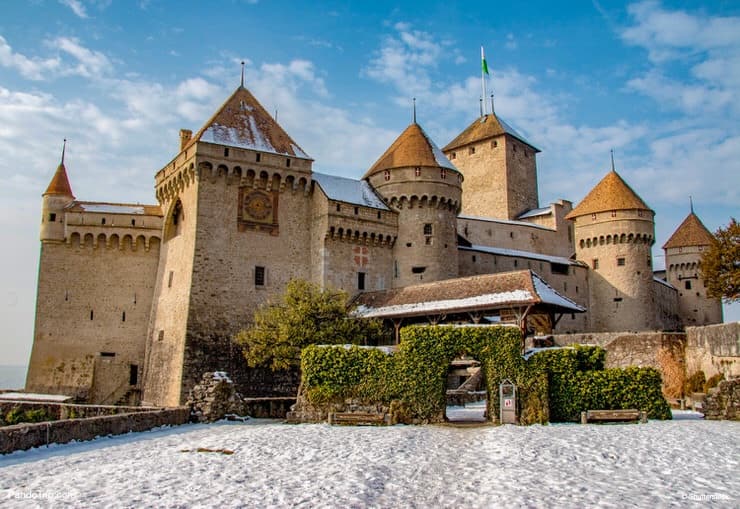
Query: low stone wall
(59, 411)
(627, 348)
(272, 408)
(714, 349)
(25, 436)
(723, 402)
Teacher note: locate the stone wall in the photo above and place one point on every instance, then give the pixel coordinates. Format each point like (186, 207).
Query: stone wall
(723, 402)
(714, 349)
(94, 299)
(25, 436)
(60, 411)
(627, 348)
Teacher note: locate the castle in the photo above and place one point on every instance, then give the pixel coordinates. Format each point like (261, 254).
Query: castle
(136, 302)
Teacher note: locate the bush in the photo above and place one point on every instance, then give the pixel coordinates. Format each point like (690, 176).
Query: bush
(713, 381)
(16, 416)
(553, 385)
(695, 383)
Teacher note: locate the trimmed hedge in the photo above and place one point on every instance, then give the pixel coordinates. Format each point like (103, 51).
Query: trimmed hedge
(553, 385)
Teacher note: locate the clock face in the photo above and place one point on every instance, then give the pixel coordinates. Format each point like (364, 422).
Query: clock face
(258, 205)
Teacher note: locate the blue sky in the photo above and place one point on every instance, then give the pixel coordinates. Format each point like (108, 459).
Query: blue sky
(656, 81)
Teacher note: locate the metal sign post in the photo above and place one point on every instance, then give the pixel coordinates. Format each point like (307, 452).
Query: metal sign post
(507, 402)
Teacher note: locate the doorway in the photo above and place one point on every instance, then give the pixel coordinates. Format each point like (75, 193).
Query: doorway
(467, 398)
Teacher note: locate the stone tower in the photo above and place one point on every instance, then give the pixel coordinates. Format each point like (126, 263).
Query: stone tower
(57, 196)
(499, 166)
(416, 179)
(683, 252)
(235, 202)
(614, 232)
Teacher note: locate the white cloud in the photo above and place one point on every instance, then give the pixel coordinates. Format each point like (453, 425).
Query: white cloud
(90, 63)
(709, 45)
(510, 43)
(30, 68)
(76, 7)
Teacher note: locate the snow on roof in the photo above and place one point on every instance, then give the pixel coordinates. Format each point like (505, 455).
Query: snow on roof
(506, 221)
(520, 254)
(481, 292)
(439, 156)
(543, 211)
(357, 192)
(530, 352)
(389, 349)
(110, 208)
(549, 296)
(30, 396)
(437, 306)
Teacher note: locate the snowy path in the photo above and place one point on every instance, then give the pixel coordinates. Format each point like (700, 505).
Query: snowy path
(659, 464)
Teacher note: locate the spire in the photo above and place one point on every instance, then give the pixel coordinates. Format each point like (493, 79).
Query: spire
(612, 154)
(612, 193)
(492, 110)
(412, 148)
(691, 232)
(242, 81)
(691, 204)
(414, 100)
(59, 182)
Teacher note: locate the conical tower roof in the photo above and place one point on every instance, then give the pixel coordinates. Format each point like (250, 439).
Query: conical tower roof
(412, 148)
(691, 232)
(483, 128)
(242, 122)
(60, 183)
(612, 193)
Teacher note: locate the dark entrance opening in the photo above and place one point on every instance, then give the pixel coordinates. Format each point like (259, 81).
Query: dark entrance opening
(467, 398)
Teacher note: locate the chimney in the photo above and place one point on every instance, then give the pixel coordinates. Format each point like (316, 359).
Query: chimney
(185, 135)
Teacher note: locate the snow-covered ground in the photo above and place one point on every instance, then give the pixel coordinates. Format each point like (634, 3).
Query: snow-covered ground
(685, 462)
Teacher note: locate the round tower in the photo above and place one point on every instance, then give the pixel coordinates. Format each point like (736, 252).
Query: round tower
(614, 234)
(57, 196)
(417, 180)
(683, 253)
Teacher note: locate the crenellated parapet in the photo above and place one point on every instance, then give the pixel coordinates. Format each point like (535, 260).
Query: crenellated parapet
(617, 238)
(451, 204)
(84, 239)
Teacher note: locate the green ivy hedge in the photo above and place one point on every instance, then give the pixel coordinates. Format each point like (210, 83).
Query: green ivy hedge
(552, 386)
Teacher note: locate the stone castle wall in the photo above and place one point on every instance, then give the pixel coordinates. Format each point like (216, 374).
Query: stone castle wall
(90, 332)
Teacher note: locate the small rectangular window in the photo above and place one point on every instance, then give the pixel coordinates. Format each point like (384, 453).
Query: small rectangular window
(133, 374)
(102, 221)
(226, 152)
(620, 262)
(417, 171)
(160, 335)
(133, 222)
(427, 228)
(614, 213)
(593, 217)
(379, 215)
(287, 163)
(558, 268)
(418, 270)
(52, 217)
(259, 276)
(471, 150)
(339, 208)
(357, 210)
(360, 280)
(92, 314)
(516, 263)
(169, 279)
(443, 173)
(595, 263)
(687, 285)
(123, 316)
(258, 157)
(107, 354)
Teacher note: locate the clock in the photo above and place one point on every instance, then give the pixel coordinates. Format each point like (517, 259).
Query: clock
(258, 205)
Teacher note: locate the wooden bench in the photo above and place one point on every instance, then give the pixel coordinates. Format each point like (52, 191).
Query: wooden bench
(629, 415)
(357, 418)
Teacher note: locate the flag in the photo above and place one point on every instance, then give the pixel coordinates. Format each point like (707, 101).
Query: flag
(483, 63)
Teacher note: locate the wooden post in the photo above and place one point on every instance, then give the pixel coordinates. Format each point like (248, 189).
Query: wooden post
(584, 418)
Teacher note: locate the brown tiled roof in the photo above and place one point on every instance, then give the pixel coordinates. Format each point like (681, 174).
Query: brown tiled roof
(242, 122)
(612, 193)
(474, 293)
(412, 148)
(483, 128)
(60, 183)
(691, 232)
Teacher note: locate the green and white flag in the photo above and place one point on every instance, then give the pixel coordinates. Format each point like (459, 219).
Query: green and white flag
(483, 63)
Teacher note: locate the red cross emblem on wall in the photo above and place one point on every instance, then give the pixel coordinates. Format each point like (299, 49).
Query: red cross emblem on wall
(361, 256)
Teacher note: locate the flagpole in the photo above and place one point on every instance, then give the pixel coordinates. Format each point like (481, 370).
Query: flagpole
(483, 78)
